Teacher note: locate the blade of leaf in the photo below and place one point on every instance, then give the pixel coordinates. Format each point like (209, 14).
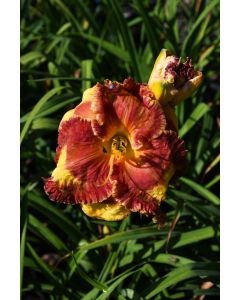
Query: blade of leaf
(201, 190)
(183, 273)
(49, 110)
(95, 283)
(212, 182)
(117, 282)
(55, 215)
(195, 116)
(86, 69)
(203, 14)
(63, 28)
(150, 29)
(33, 55)
(212, 164)
(171, 259)
(46, 233)
(69, 14)
(45, 123)
(111, 48)
(22, 252)
(127, 36)
(184, 239)
(42, 265)
(46, 271)
(36, 108)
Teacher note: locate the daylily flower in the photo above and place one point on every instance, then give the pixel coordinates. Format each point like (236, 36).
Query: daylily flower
(119, 148)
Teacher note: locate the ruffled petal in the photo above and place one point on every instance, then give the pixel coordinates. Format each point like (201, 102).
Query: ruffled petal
(141, 122)
(92, 105)
(96, 107)
(108, 210)
(90, 108)
(83, 167)
(167, 157)
(127, 192)
(141, 183)
(165, 150)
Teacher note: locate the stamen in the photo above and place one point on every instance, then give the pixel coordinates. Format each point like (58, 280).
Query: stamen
(119, 144)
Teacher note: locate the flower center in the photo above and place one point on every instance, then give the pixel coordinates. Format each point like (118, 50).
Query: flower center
(119, 144)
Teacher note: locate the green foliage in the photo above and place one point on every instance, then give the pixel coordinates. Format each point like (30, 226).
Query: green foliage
(66, 47)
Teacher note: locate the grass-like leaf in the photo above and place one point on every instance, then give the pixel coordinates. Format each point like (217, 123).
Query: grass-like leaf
(35, 110)
(195, 116)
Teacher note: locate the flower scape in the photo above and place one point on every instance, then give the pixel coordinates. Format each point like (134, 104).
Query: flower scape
(119, 148)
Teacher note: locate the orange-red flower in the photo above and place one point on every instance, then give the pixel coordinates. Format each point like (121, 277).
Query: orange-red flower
(116, 152)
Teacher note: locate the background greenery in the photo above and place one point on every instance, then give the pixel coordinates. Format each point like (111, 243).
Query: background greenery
(66, 47)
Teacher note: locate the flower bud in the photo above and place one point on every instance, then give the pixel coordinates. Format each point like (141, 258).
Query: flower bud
(172, 81)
